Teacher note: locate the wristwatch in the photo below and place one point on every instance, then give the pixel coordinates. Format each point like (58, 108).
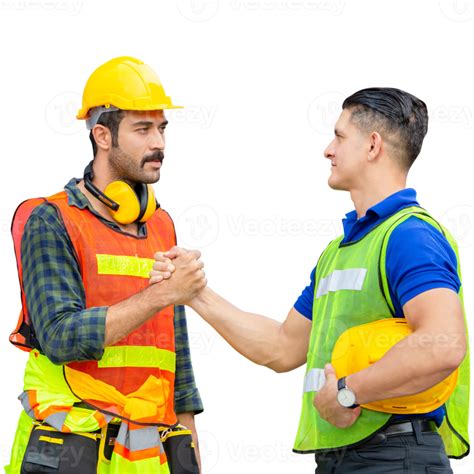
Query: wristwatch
(345, 396)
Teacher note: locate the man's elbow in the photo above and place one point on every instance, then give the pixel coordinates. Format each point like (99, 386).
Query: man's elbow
(280, 368)
(454, 355)
(283, 364)
(63, 355)
(57, 359)
(457, 358)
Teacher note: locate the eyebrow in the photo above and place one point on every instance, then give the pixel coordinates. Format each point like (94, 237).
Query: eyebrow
(148, 123)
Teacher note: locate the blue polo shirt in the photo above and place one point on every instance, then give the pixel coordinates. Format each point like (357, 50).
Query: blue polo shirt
(419, 258)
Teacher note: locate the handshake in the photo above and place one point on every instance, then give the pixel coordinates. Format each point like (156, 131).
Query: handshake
(179, 272)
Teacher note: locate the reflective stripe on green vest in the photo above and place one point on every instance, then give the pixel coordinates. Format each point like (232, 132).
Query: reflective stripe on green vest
(351, 289)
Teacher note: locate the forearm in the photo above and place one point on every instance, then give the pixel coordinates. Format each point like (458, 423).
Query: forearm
(254, 336)
(415, 364)
(130, 314)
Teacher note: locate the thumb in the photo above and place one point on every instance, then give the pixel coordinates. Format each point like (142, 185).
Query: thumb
(329, 371)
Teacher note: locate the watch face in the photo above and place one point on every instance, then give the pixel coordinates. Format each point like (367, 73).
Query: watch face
(346, 397)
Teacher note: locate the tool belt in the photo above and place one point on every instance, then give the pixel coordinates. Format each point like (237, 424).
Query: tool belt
(51, 451)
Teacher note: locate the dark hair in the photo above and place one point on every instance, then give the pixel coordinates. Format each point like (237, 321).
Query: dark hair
(111, 120)
(401, 119)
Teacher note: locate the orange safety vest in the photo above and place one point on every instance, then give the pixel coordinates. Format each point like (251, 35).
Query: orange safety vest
(134, 379)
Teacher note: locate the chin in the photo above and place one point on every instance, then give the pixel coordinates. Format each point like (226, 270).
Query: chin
(337, 186)
(150, 178)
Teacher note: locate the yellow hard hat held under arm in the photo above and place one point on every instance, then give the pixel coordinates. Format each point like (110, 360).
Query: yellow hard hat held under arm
(361, 346)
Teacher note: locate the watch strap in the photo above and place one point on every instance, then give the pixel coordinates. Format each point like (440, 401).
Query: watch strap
(341, 384)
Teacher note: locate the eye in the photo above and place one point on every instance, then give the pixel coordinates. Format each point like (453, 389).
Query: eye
(142, 130)
(162, 129)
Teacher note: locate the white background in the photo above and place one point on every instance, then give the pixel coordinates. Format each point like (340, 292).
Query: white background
(244, 176)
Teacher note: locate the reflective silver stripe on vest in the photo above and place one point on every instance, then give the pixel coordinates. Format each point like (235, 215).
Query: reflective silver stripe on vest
(26, 404)
(56, 420)
(350, 279)
(139, 439)
(314, 380)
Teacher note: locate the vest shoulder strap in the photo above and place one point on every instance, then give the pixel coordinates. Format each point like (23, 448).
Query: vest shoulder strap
(399, 218)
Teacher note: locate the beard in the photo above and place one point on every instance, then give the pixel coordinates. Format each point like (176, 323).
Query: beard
(126, 168)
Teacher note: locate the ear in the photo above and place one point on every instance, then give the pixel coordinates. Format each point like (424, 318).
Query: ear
(375, 146)
(102, 137)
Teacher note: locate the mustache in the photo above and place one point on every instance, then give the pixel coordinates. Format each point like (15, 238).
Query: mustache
(158, 155)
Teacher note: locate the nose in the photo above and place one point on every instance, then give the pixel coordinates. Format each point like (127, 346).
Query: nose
(157, 140)
(329, 151)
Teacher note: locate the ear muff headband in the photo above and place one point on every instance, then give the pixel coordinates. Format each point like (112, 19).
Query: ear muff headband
(95, 191)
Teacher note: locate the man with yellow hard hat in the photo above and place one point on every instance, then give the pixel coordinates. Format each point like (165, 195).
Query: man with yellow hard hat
(381, 326)
(109, 385)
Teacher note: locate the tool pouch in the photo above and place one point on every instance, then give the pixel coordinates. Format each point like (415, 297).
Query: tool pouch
(179, 448)
(50, 451)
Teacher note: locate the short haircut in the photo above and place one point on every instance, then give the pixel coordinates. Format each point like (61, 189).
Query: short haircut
(399, 117)
(111, 120)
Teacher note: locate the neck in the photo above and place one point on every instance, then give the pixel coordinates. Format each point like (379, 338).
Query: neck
(366, 197)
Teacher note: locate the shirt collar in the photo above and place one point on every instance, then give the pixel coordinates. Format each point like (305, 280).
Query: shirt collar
(75, 197)
(388, 206)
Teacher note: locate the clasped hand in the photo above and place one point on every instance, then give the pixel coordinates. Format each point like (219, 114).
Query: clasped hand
(186, 268)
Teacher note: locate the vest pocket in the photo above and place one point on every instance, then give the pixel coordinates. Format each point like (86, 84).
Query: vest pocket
(50, 451)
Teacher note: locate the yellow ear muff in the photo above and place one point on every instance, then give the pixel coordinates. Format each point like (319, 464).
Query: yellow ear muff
(149, 202)
(134, 205)
(124, 195)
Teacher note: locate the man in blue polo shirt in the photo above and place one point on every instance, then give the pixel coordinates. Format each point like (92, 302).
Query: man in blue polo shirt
(393, 260)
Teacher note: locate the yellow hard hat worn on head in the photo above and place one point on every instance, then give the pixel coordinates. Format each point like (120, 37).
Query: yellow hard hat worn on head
(361, 346)
(126, 83)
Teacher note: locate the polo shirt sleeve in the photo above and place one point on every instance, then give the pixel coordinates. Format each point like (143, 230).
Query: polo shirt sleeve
(304, 304)
(419, 258)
